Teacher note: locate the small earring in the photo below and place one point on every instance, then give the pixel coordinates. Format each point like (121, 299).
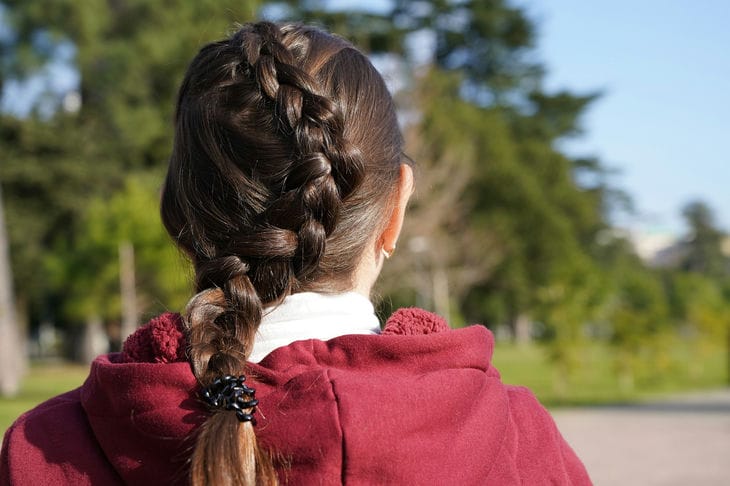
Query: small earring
(388, 253)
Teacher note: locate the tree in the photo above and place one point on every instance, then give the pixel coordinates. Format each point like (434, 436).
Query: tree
(442, 254)
(704, 252)
(488, 42)
(90, 272)
(12, 354)
(640, 324)
(129, 57)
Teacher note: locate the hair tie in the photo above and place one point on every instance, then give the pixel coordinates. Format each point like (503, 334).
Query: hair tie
(230, 393)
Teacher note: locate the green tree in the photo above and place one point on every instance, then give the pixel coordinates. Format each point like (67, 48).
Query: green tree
(129, 57)
(89, 272)
(442, 254)
(641, 330)
(704, 244)
(488, 42)
(704, 302)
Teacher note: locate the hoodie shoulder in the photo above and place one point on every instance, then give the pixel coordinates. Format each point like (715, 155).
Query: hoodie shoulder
(53, 444)
(540, 450)
(56, 442)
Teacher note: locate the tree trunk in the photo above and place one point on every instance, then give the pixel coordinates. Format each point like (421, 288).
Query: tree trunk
(727, 351)
(94, 340)
(522, 328)
(441, 293)
(13, 356)
(128, 289)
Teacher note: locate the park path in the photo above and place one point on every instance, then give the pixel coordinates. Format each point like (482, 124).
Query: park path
(682, 441)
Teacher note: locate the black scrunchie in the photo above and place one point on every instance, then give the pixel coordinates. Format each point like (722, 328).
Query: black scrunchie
(230, 393)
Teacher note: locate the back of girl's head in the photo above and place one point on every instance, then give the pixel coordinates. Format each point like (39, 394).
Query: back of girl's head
(285, 162)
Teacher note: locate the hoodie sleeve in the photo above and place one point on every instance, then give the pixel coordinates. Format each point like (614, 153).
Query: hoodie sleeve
(4, 462)
(53, 444)
(542, 455)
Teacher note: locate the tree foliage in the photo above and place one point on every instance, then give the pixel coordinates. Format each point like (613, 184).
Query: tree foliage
(129, 56)
(128, 216)
(704, 248)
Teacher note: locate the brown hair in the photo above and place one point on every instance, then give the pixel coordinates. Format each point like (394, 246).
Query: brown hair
(286, 159)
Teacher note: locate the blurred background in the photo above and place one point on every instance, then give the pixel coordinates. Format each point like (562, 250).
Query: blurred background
(572, 170)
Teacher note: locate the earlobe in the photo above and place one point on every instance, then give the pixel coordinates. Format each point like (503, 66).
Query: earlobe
(389, 238)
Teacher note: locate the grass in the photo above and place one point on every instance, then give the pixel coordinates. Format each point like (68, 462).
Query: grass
(593, 380)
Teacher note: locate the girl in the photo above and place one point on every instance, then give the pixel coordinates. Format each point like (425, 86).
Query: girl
(287, 189)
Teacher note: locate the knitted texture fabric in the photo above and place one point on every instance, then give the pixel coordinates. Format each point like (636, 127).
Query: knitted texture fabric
(413, 321)
(161, 341)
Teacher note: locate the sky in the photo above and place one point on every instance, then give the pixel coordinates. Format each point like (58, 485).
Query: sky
(663, 121)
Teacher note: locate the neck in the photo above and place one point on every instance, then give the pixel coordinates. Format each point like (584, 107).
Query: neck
(367, 271)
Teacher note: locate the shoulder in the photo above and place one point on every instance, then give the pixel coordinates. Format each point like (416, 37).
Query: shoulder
(527, 411)
(541, 451)
(56, 442)
(35, 428)
(53, 443)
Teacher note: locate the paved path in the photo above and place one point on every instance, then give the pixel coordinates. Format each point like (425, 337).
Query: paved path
(679, 441)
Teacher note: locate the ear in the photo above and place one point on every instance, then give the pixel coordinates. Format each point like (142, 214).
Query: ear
(392, 231)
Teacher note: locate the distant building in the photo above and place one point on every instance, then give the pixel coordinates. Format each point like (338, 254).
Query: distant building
(663, 249)
(658, 248)
(671, 256)
(649, 244)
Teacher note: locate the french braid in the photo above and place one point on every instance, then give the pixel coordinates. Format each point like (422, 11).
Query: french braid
(324, 168)
(269, 192)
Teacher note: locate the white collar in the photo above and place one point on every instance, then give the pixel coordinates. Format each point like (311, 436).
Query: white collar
(310, 315)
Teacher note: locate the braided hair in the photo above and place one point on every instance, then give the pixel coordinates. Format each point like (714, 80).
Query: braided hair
(286, 157)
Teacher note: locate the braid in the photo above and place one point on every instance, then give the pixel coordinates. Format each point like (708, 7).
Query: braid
(217, 317)
(315, 123)
(265, 175)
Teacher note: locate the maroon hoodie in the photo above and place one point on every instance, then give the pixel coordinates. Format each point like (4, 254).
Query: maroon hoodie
(417, 404)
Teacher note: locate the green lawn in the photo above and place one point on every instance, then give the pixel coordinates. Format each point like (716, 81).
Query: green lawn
(593, 380)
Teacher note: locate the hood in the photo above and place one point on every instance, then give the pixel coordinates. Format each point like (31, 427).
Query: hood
(414, 402)
(141, 404)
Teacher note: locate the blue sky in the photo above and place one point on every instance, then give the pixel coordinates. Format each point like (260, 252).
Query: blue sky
(664, 119)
